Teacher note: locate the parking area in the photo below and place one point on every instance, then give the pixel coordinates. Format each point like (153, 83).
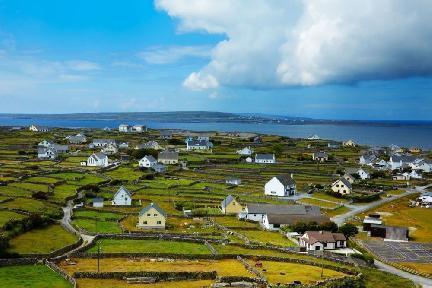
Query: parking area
(401, 251)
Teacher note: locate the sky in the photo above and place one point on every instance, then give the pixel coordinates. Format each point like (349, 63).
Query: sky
(328, 59)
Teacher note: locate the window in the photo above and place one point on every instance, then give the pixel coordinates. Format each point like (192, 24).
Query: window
(159, 222)
(145, 222)
(155, 215)
(149, 214)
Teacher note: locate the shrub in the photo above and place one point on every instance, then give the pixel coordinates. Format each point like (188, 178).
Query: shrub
(348, 229)
(40, 195)
(175, 142)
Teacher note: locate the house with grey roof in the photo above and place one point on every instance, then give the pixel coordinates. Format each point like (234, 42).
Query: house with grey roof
(198, 145)
(320, 156)
(257, 211)
(77, 139)
(399, 161)
(360, 172)
(159, 168)
(152, 217)
(342, 186)
(47, 153)
(97, 160)
(168, 157)
(233, 181)
(230, 205)
(98, 202)
(281, 186)
(98, 143)
(37, 128)
(122, 197)
(149, 145)
(265, 158)
(166, 134)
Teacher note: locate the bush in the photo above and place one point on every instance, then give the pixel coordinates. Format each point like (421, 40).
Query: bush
(140, 153)
(348, 230)
(175, 142)
(40, 195)
(302, 227)
(367, 258)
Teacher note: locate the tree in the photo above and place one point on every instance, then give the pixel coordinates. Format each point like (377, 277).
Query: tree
(277, 149)
(140, 153)
(348, 230)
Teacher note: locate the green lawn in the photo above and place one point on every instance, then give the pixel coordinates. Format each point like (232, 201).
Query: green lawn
(316, 202)
(150, 246)
(274, 238)
(6, 216)
(102, 226)
(378, 279)
(42, 240)
(97, 214)
(31, 276)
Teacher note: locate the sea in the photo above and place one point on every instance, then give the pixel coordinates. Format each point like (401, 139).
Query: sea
(403, 134)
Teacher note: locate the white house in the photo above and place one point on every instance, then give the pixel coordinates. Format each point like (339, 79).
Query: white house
(349, 143)
(422, 164)
(149, 145)
(97, 160)
(233, 181)
(35, 128)
(320, 156)
(397, 161)
(198, 145)
(265, 158)
(45, 143)
(147, 161)
(77, 139)
(98, 202)
(168, 157)
(247, 151)
(123, 145)
(282, 186)
(363, 174)
(367, 159)
(124, 128)
(49, 153)
(322, 240)
(97, 143)
(139, 128)
(122, 197)
(342, 186)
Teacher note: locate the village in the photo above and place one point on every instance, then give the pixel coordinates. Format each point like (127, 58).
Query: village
(127, 206)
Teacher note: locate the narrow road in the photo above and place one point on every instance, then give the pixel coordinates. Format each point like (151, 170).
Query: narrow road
(340, 219)
(424, 282)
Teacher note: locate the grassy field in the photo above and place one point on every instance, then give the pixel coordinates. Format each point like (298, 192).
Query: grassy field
(31, 276)
(274, 238)
(101, 283)
(421, 267)
(150, 246)
(6, 216)
(398, 213)
(379, 279)
(316, 202)
(43, 240)
(102, 226)
(222, 267)
(281, 272)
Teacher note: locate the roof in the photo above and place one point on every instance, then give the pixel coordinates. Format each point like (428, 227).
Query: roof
(372, 220)
(103, 141)
(393, 232)
(344, 181)
(264, 156)
(98, 200)
(152, 205)
(258, 208)
(290, 219)
(323, 237)
(150, 158)
(403, 158)
(99, 155)
(320, 154)
(168, 155)
(286, 179)
(198, 143)
(122, 188)
(227, 201)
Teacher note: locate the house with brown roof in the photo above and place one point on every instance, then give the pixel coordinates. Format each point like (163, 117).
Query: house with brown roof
(322, 240)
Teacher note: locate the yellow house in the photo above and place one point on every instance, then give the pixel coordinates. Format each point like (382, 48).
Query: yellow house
(230, 206)
(152, 217)
(342, 186)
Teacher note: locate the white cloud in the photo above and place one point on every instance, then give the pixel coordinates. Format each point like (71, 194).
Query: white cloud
(171, 54)
(200, 81)
(278, 43)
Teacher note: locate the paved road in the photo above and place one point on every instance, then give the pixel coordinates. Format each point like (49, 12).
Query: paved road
(340, 219)
(424, 282)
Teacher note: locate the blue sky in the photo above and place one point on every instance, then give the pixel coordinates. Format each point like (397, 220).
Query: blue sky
(100, 56)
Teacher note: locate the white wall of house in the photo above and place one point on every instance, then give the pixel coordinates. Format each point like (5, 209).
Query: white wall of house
(275, 188)
(122, 198)
(145, 162)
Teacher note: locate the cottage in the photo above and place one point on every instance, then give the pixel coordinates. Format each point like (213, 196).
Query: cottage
(401, 177)
(46, 143)
(399, 161)
(320, 156)
(247, 151)
(367, 159)
(49, 153)
(152, 217)
(274, 222)
(349, 143)
(147, 161)
(333, 145)
(281, 185)
(257, 140)
(230, 206)
(98, 202)
(35, 128)
(168, 157)
(149, 145)
(314, 137)
(122, 197)
(106, 129)
(97, 160)
(203, 137)
(198, 145)
(166, 135)
(138, 128)
(423, 165)
(257, 211)
(233, 181)
(110, 149)
(265, 158)
(342, 186)
(361, 173)
(249, 160)
(322, 240)
(98, 143)
(77, 139)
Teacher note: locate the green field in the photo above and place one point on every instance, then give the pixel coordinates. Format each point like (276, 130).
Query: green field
(31, 276)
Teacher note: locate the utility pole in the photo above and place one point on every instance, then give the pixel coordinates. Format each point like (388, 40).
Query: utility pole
(98, 258)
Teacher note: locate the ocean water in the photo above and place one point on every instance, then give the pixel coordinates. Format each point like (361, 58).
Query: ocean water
(373, 134)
